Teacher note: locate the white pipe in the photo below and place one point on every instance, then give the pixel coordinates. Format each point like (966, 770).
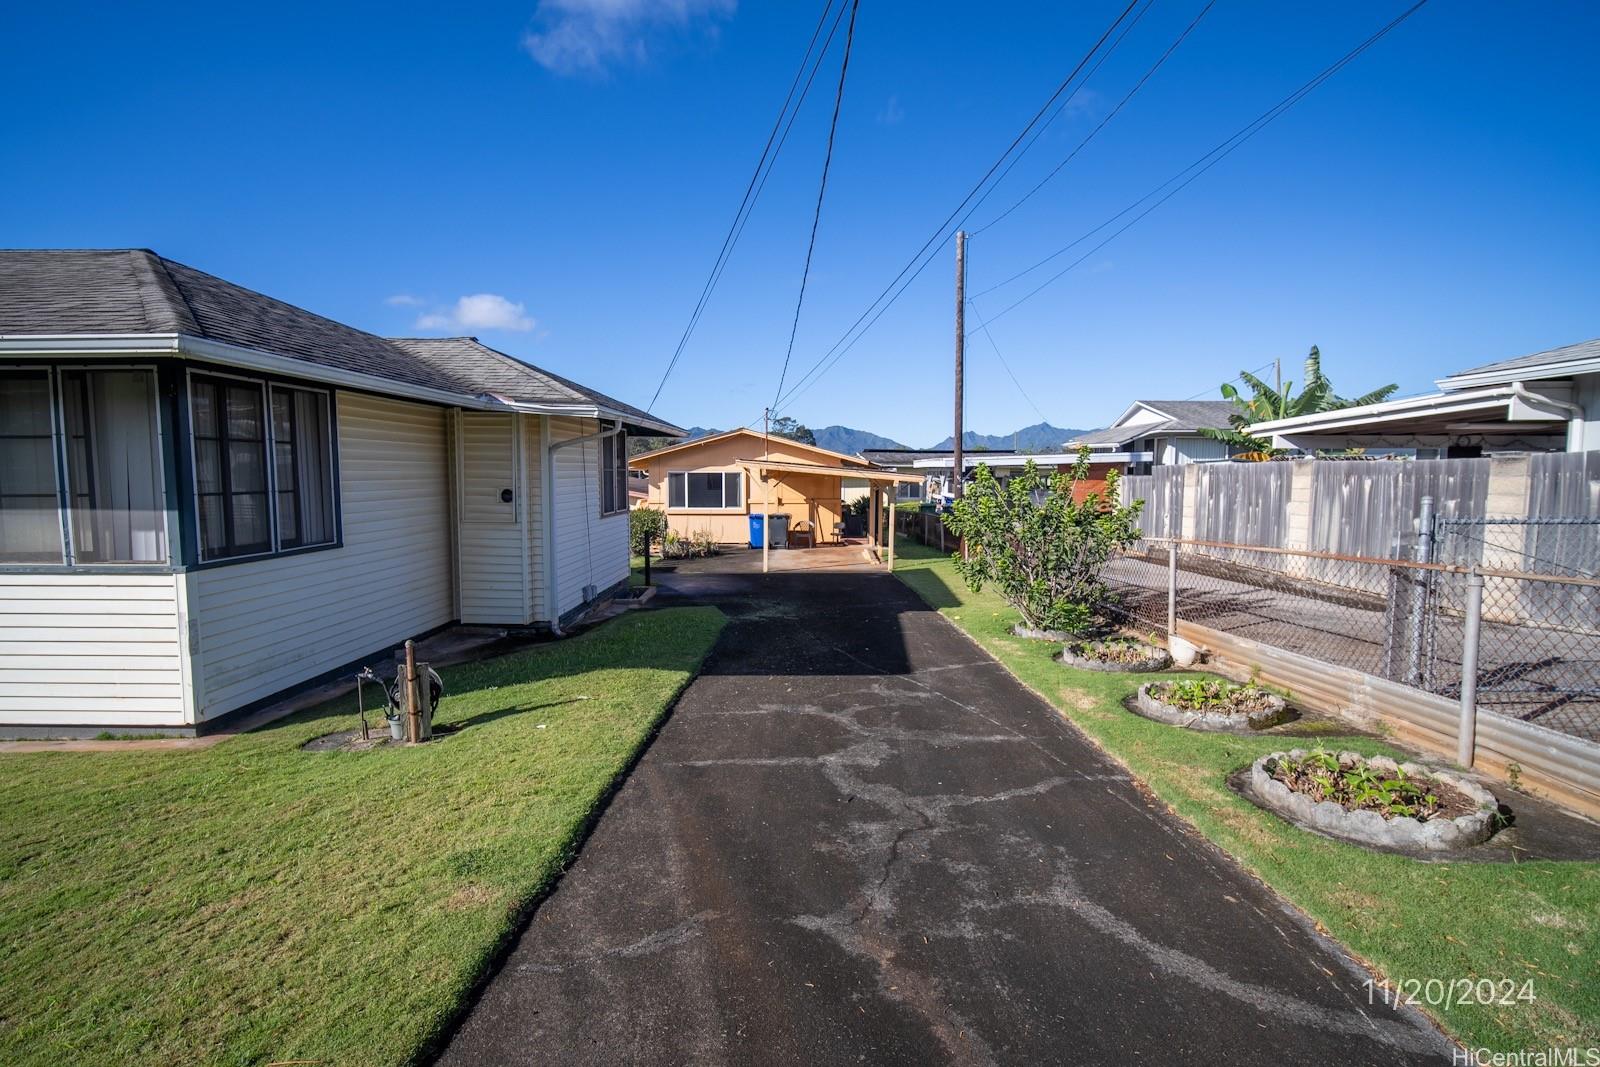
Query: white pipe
(550, 518)
(1574, 424)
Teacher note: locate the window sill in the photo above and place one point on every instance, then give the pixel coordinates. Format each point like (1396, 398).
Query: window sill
(261, 557)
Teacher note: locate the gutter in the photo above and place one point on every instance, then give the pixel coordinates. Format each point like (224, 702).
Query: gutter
(554, 601)
(1575, 413)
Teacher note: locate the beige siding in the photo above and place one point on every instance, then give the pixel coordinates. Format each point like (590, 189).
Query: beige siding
(491, 533)
(268, 624)
(90, 650)
(589, 550)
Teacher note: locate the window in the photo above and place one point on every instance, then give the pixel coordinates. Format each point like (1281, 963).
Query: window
(114, 478)
(613, 474)
(261, 455)
(705, 490)
(909, 491)
(30, 519)
(303, 470)
(230, 467)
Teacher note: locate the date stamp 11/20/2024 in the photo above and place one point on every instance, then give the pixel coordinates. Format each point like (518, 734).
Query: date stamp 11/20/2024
(1447, 993)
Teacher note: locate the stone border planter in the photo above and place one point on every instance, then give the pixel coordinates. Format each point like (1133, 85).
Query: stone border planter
(1368, 827)
(1057, 636)
(1157, 660)
(1173, 715)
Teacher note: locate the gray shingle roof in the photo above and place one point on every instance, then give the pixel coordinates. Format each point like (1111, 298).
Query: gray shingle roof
(136, 291)
(1536, 360)
(1186, 416)
(904, 457)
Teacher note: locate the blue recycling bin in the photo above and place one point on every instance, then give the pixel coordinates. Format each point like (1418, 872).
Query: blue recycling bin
(758, 525)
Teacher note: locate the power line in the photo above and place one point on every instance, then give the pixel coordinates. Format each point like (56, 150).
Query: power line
(1198, 167)
(752, 192)
(822, 188)
(1173, 47)
(912, 266)
(984, 326)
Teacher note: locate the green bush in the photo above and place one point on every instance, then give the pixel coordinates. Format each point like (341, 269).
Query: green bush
(644, 526)
(1041, 550)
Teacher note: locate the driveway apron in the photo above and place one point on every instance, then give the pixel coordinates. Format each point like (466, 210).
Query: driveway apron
(858, 839)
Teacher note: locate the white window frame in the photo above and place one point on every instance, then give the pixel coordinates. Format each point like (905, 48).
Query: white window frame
(726, 508)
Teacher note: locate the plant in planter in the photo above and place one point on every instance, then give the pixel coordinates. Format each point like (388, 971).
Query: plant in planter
(1042, 545)
(1375, 801)
(1211, 704)
(1115, 654)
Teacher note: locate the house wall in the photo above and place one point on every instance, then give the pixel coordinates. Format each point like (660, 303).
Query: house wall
(816, 499)
(91, 650)
(262, 626)
(1586, 392)
(589, 549)
(1176, 450)
(493, 533)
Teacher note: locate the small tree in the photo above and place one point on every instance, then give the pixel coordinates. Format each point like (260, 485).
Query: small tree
(1041, 549)
(644, 526)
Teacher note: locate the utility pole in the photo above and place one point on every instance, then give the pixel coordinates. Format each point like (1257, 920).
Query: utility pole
(961, 350)
(1277, 384)
(766, 455)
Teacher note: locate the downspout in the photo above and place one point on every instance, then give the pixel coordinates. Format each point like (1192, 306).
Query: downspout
(1574, 423)
(550, 517)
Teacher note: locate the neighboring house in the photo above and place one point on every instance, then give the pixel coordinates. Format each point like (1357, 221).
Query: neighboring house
(1544, 402)
(1157, 433)
(208, 496)
(934, 466)
(714, 484)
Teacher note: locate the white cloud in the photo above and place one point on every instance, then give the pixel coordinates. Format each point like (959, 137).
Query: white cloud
(480, 311)
(589, 36)
(891, 114)
(403, 300)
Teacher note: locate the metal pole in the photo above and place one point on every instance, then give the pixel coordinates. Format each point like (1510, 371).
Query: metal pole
(1172, 590)
(1467, 731)
(961, 349)
(1419, 594)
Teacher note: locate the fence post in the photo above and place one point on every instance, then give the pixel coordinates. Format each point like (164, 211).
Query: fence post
(1172, 590)
(1467, 731)
(1419, 594)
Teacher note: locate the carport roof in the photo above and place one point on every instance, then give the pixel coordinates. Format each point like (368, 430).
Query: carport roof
(871, 474)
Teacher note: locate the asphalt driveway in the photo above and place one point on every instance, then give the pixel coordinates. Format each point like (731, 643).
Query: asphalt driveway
(859, 840)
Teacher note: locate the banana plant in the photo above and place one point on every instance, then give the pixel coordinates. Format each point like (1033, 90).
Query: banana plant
(1266, 404)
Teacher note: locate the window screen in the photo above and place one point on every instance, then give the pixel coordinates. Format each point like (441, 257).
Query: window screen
(114, 478)
(30, 518)
(230, 467)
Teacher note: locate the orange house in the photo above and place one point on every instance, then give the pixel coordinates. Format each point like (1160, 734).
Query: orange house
(714, 484)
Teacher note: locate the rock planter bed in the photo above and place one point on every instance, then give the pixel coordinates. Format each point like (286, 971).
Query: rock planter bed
(1378, 802)
(1211, 704)
(1123, 654)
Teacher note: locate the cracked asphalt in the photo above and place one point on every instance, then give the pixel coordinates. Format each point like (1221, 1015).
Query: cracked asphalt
(859, 839)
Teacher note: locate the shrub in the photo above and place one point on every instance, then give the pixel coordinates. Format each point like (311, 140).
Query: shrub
(696, 545)
(644, 526)
(1043, 552)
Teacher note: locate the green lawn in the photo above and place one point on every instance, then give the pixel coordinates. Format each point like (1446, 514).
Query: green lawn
(252, 902)
(1409, 919)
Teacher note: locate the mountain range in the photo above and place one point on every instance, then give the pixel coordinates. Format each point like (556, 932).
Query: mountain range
(1040, 437)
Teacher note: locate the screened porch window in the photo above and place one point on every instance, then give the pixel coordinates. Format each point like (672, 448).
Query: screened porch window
(230, 467)
(114, 476)
(705, 490)
(30, 517)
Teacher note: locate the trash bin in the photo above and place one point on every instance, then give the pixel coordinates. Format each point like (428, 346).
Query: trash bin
(780, 530)
(756, 524)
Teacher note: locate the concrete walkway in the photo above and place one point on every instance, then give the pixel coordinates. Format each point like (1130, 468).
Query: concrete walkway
(859, 840)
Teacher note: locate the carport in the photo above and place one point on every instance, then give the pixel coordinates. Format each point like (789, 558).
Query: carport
(766, 475)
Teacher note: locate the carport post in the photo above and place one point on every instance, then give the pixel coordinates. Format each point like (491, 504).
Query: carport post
(893, 515)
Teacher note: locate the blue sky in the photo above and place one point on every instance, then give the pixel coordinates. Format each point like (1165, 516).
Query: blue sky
(570, 166)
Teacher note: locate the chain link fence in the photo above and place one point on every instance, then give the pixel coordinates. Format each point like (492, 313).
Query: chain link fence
(1411, 621)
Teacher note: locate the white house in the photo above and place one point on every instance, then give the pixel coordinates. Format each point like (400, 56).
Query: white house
(1159, 433)
(208, 496)
(1544, 402)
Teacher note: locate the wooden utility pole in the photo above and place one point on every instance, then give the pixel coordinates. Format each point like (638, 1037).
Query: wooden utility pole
(766, 456)
(961, 351)
(413, 709)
